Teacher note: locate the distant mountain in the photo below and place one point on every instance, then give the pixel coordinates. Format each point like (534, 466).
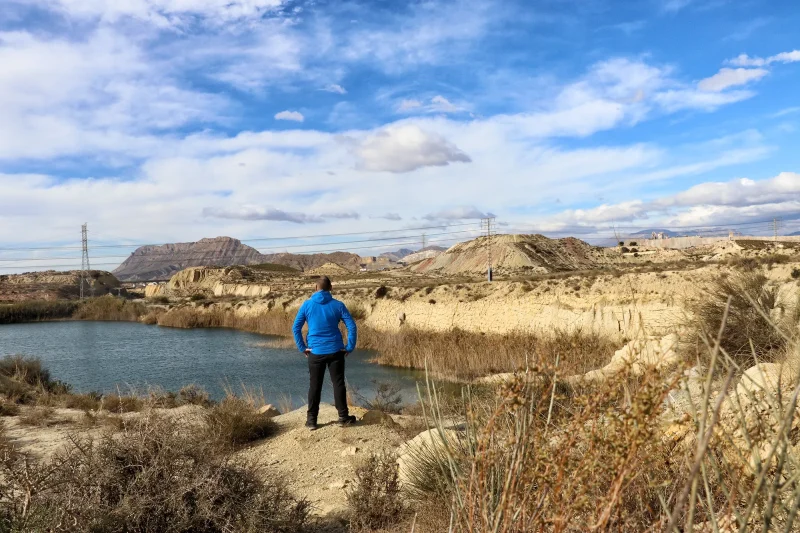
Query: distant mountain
(161, 262)
(794, 234)
(398, 254)
(647, 232)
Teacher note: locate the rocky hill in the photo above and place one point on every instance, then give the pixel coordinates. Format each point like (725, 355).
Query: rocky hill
(161, 262)
(511, 253)
(52, 285)
(305, 262)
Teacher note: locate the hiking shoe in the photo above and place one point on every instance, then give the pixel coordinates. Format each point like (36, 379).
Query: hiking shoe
(347, 420)
(311, 424)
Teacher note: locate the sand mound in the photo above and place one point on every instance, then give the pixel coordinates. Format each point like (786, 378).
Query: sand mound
(329, 269)
(511, 253)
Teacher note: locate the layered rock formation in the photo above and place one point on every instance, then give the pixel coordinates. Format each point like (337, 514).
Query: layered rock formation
(52, 285)
(161, 262)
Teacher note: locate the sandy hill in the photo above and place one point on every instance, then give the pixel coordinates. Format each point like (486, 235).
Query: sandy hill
(512, 253)
(329, 269)
(52, 285)
(305, 262)
(161, 262)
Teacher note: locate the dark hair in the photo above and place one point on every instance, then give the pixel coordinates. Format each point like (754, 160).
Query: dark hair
(324, 283)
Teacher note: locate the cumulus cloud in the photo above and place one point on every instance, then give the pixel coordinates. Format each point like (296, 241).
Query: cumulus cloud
(260, 213)
(436, 104)
(406, 147)
(295, 116)
(335, 88)
(164, 13)
(745, 60)
(458, 213)
(343, 215)
(739, 192)
(727, 77)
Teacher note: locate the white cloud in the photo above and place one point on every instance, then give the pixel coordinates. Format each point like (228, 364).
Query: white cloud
(406, 147)
(390, 216)
(260, 213)
(727, 77)
(458, 213)
(163, 13)
(675, 5)
(409, 105)
(295, 116)
(784, 57)
(335, 88)
(677, 100)
(442, 105)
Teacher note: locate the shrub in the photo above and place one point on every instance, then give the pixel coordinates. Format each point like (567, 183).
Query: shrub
(115, 403)
(89, 401)
(796, 273)
(752, 302)
(387, 398)
(375, 500)
(164, 300)
(23, 378)
(197, 297)
(151, 477)
(624, 250)
(194, 395)
(37, 416)
(234, 422)
(381, 291)
(8, 408)
(357, 311)
(110, 308)
(35, 311)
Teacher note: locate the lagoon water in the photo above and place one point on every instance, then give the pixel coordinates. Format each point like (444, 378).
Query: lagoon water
(107, 356)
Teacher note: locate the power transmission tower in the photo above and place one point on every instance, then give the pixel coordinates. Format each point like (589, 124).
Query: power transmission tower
(424, 239)
(488, 228)
(777, 223)
(85, 268)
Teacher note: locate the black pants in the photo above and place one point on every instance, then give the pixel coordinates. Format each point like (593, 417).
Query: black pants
(316, 369)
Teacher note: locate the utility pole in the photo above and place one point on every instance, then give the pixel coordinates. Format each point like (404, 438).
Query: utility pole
(777, 222)
(424, 239)
(85, 268)
(487, 226)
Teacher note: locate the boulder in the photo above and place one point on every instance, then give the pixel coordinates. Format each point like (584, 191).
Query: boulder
(636, 356)
(269, 411)
(375, 417)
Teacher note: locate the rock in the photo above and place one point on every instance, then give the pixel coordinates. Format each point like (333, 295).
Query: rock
(269, 411)
(401, 318)
(377, 417)
(337, 485)
(428, 445)
(637, 355)
(349, 451)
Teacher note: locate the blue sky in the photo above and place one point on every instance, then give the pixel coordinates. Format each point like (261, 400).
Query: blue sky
(164, 120)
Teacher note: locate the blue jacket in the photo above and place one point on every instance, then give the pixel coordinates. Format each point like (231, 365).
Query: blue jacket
(323, 315)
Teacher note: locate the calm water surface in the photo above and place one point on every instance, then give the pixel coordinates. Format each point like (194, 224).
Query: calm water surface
(105, 356)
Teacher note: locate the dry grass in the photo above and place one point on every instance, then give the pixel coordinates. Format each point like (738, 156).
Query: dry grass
(235, 422)
(110, 308)
(36, 311)
(747, 301)
(150, 477)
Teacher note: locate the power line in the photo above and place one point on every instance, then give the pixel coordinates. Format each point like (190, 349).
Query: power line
(189, 255)
(259, 239)
(74, 267)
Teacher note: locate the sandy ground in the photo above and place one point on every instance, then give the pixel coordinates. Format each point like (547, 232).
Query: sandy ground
(320, 465)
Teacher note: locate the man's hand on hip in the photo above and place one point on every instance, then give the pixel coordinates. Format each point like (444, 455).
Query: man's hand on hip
(307, 352)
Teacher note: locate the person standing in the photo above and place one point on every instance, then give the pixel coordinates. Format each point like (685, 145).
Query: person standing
(325, 348)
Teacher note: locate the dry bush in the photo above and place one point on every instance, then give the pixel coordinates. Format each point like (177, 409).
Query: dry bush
(23, 380)
(194, 395)
(115, 403)
(8, 408)
(234, 422)
(90, 401)
(37, 416)
(375, 501)
(110, 308)
(36, 311)
(153, 477)
(387, 398)
(748, 330)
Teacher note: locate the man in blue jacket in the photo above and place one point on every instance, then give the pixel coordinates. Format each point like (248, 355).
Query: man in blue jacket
(325, 348)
